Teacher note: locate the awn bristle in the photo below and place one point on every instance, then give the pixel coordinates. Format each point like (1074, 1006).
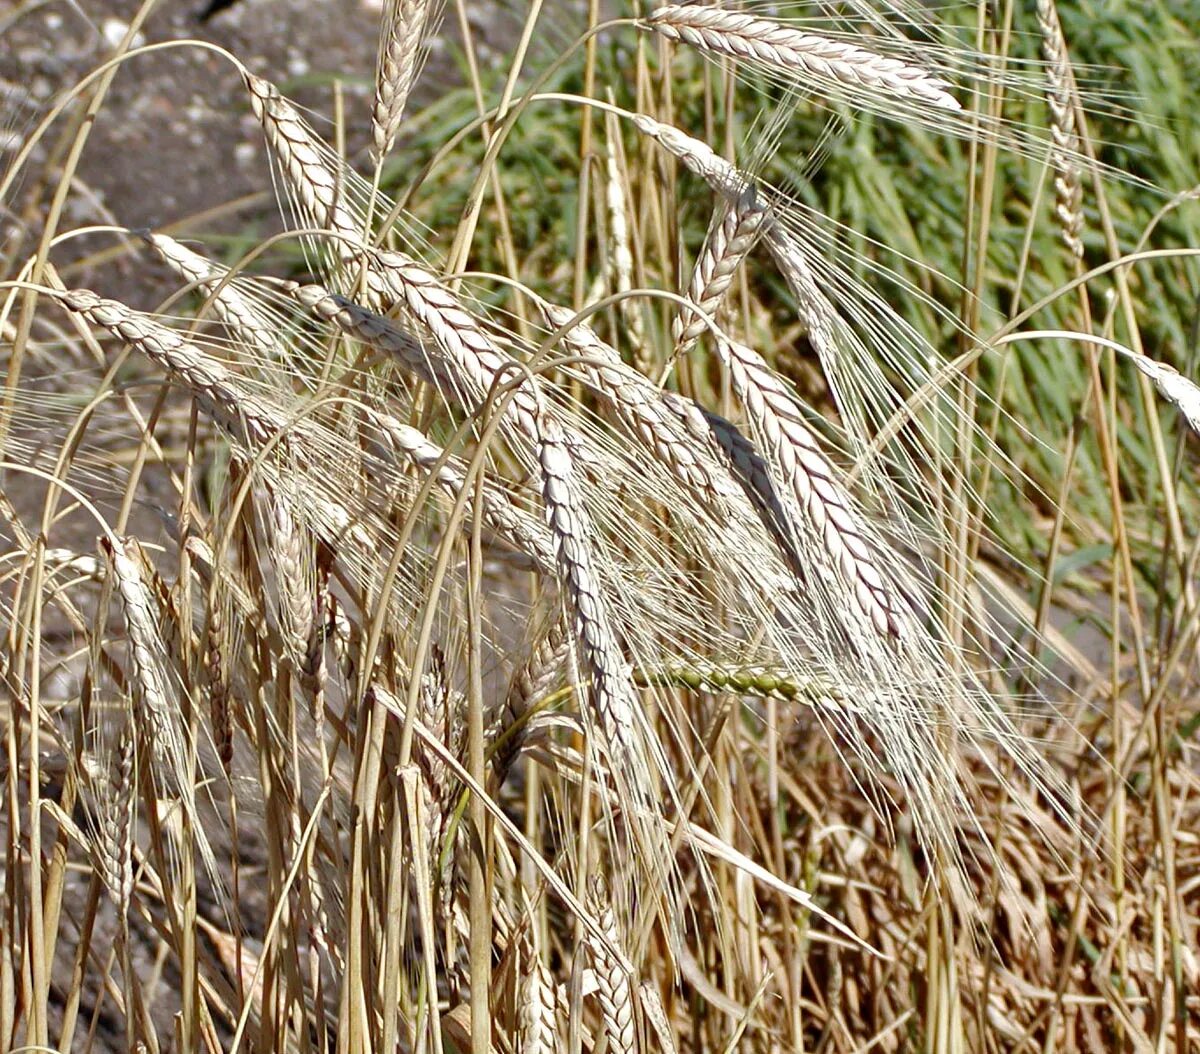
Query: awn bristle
(780, 47)
(1068, 184)
(728, 244)
(396, 68)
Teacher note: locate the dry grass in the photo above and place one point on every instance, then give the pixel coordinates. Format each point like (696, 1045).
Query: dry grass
(464, 671)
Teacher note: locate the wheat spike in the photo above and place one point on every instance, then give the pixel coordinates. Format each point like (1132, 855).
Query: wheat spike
(240, 316)
(613, 989)
(652, 416)
(537, 1017)
(146, 652)
(611, 681)
(396, 68)
(301, 158)
(1068, 186)
(620, 242)
(240, 413)
(728, 244)
(780, 47)
(286, 540)
(509, 725)
(812, 479)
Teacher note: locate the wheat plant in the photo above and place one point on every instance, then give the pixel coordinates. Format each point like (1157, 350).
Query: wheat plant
(456, 622)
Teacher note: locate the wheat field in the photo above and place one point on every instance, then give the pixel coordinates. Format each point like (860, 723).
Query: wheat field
(658, 527)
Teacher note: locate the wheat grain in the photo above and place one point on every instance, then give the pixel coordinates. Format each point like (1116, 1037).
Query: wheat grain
(396, 68)
(780, 47)
(729, 242)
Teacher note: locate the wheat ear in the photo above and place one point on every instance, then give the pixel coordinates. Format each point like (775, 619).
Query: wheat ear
(396, 68)
(236, 311)
(237, 411)
(145, 654)
(570, 525)
(286, 542)
(473, 357)
(654, 417)
(1068, 186)
(781, 47)
(301, 158)
(728, 244)
(509, 726)
(812, 479)
(613, 990)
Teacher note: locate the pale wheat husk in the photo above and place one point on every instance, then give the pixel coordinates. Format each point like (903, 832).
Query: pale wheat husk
(613, 989)
(781, 47)
(812, 478)
(240, 316)
(316, 180)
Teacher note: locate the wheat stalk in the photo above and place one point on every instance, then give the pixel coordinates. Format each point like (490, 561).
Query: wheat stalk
(780, 47)
(1068, 185)
(395, 69)
(727, 245)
